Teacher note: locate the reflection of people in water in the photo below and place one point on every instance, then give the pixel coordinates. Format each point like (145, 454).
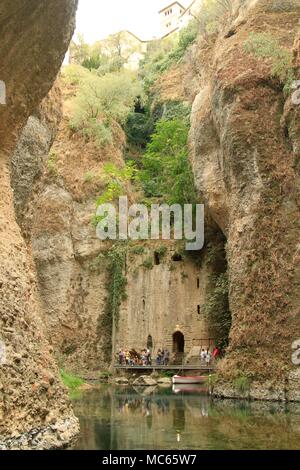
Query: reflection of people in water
(179, 416)
(163, 406)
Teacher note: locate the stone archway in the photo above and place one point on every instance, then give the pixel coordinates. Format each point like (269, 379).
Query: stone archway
(178, 342)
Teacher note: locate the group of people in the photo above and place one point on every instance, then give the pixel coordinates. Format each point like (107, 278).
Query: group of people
(163, 357)
(206, 356)
(133, 358)
(143, 358)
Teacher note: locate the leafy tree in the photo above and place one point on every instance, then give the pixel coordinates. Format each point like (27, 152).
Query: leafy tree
(166, 169)
(101, 100)
(116, 180)
(79, 50)
(139, 127)
(164, 53)
(211, 14)
(74, 74)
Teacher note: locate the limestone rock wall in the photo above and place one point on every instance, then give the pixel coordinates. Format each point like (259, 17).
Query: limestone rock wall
(63, 244)
(34, 409)
(245, 156)
(71, 265)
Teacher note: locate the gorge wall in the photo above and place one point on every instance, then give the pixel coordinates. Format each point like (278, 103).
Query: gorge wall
(245, 141)
(55, 202)
(34, 408)
(244, 144)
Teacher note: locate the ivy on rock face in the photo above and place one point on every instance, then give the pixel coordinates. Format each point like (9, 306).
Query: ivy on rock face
(116, 288)
(166, 171)
(216, 308)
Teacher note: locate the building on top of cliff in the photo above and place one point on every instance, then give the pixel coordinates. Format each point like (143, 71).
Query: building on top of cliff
(175, 16)
(169, 17)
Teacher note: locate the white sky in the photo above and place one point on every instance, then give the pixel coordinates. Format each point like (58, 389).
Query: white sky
(96, 19)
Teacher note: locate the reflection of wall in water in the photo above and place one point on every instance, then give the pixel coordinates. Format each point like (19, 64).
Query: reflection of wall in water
(118, 421)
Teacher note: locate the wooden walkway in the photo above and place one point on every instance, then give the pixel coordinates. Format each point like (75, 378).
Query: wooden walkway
(197, 367)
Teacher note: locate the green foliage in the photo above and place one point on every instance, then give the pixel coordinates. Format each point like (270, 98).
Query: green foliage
(97, 263)
(52, 164)
(187, 37)
(151, 66)
(115, 180)
(216, 308)
(148, 263)
(177, 110)
(211, 381)
(167, 52)
(74, 74)
(280, 6)
(214, 252)
(116, 289)
(161, 251)
(105, 375)
(105, 56)
(101, 100)
(167, 373)
(211, 16)
(166, 172)
(242, 384)
(96, 130)
(137, 250)
(138, 128)
(265, 46)
(72, 382)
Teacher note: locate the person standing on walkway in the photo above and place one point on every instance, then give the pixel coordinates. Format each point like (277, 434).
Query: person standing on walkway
(208, 357)
(166, 357)
(203, 356)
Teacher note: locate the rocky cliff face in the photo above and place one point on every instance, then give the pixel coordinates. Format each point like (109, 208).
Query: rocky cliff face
(55, 202)
(55, 187)
(245, 152)
(34, 409)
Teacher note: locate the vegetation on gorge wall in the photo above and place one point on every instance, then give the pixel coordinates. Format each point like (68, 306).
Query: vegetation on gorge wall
(156, 156)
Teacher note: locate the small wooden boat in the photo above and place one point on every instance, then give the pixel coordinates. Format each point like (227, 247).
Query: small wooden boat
(192, 379)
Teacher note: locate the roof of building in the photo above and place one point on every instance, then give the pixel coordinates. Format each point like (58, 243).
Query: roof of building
(190, 6)
(170, 32)
(188, 9)
(135, 36)
(170, 5)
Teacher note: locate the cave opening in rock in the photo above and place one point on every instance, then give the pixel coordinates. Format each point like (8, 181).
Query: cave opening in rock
(178, 342)
(156, 258)
(177, 257)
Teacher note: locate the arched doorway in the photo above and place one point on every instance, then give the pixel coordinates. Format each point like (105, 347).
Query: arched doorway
(178, 342)
(150, 342)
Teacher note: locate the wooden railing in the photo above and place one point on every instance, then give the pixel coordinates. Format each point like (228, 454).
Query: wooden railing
(204, 343)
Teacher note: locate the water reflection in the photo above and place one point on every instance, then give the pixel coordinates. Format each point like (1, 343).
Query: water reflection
(128, 418)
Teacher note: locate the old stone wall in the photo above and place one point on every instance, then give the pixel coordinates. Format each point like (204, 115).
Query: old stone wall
(163, 300)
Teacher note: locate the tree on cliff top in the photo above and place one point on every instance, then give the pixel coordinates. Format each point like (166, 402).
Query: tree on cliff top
(102, 100)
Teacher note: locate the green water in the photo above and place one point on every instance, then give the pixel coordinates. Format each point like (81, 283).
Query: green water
(151, 419)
